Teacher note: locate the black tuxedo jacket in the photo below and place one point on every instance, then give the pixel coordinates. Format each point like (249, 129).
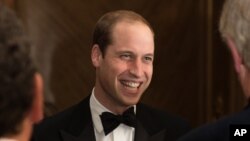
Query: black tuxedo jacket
(219, 130)
(75, 124)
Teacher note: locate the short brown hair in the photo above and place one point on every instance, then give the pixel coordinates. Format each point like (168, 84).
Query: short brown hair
(104, 26)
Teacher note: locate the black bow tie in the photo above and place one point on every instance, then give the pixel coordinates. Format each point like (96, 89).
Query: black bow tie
(111, 121)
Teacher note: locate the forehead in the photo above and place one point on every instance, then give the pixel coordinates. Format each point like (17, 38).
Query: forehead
(131, 28)
(126, 23)
(134, 36)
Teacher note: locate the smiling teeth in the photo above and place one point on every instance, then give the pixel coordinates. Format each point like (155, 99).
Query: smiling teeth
(132, 84)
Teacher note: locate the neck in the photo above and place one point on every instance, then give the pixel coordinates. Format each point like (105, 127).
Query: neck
(108, 102)
(26, 128)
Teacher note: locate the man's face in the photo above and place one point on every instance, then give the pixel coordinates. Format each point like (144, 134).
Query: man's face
(125, 71)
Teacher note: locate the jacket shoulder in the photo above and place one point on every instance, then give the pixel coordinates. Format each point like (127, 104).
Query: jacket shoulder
(218, 130)
(49, 128)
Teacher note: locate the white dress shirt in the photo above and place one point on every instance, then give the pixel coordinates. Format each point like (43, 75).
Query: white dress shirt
(121, 133)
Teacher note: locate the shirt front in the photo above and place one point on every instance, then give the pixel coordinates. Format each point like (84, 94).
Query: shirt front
(121, 133)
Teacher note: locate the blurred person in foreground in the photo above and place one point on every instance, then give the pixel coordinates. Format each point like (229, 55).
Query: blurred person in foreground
(122, 54)
(20, 84)
(235, 30)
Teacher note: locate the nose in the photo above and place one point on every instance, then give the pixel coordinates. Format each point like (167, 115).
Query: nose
(136, 68)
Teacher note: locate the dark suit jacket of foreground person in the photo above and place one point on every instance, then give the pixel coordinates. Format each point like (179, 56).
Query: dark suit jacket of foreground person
(220, 130)
(75, 124)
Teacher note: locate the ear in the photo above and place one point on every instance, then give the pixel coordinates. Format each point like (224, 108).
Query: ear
(96, 55)
(37, 105)
(235, 54)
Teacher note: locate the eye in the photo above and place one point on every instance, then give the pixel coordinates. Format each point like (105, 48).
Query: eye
(148, 59)
(126, 56)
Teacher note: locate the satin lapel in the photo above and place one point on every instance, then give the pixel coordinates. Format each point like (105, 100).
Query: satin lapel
(140, 133)
(146, 129)
(160, 136)
(80, 127)
(86, 135)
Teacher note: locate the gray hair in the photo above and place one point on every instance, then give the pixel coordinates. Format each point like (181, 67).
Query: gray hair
(235, 24)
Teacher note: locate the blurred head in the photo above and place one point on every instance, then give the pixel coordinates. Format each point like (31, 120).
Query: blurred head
(235, 24)
(235, 29)
(20, 84)
(122, 53)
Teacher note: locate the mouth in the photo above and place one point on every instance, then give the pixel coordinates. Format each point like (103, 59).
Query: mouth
(131, 84)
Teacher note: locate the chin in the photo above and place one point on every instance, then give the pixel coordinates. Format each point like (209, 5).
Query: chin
(131, 102)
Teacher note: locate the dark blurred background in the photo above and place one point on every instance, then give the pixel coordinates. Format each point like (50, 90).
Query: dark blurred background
(193, 72)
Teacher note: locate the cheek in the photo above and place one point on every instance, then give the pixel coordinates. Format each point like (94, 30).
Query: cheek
(113, 70)
(149, 72)
(119, 67)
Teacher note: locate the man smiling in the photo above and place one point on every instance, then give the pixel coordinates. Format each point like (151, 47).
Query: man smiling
(122, 54)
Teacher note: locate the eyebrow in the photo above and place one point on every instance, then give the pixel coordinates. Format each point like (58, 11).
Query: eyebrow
(126, 51)
(149, 54)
